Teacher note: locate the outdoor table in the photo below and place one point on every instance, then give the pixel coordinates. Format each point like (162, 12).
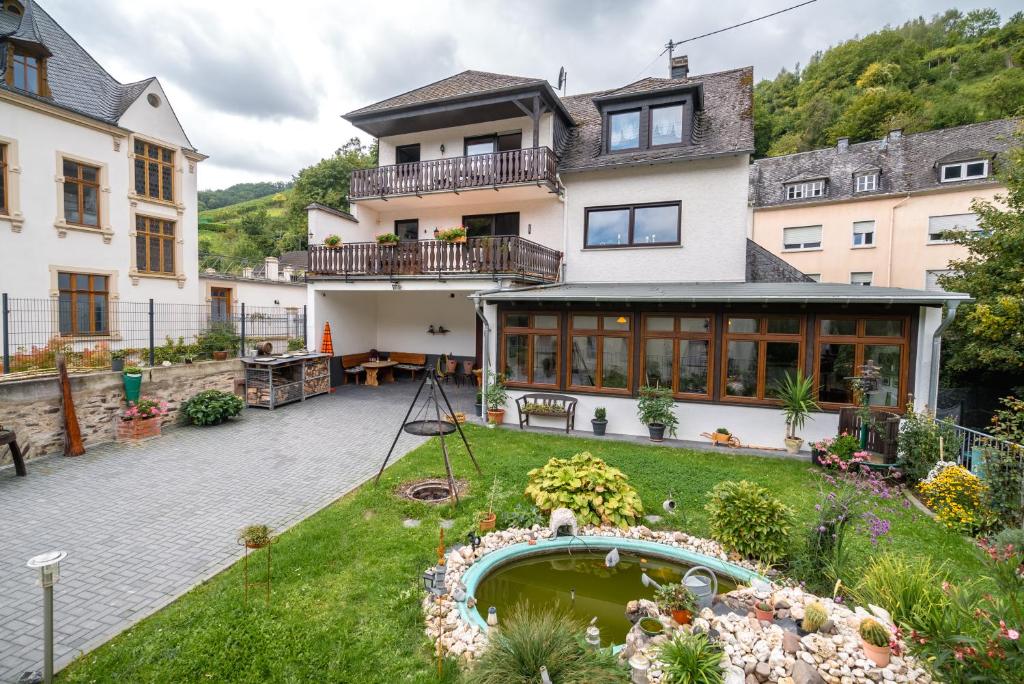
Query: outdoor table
(374, 367)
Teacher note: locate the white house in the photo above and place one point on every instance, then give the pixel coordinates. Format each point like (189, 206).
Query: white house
(607, 250)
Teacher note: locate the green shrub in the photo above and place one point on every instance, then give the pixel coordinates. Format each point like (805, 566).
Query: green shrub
(220, 336)
(845, 446)
(903, 587)
(174, 351)
(746, 518)
(1011, 535)
(295, 344)
(255, 535)
(522, 516)
(212, 407)
(691, 659)
(1008, 422)
(919, 442)
(593, 490)
(1004, 480)
(529, 639)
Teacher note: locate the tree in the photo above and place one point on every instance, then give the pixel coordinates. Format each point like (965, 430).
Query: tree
(327, 181)
(988, 334)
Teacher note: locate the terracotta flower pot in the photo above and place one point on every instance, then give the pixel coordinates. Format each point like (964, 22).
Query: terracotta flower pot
(220, 356)
(250, 545)
(879, 655)
(683, 617)
(765, 615)
(138, 429)
(496, 416)
(487, 521)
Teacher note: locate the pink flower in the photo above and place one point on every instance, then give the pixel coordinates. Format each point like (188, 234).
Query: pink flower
(1012, 634)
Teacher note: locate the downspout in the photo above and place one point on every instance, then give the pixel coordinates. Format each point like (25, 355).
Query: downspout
(933, 375)
(483, 357)
(892, 233)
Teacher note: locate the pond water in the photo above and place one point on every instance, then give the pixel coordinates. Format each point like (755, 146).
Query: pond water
(580, 583)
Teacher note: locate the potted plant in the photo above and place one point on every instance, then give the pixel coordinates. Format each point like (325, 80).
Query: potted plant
(764, 611)
(487, 520)
(479, 405)
(141, 420)
(132, 379)
(456, 235)
(815, 616)
(332, 241)
(219, 341)
(117, 359)
(797, 396)
(875, 638)
(721, 436)
(654, 408)
(497, 397)
(676, 599)
(599, 421)
(255, 536)
(387, 239)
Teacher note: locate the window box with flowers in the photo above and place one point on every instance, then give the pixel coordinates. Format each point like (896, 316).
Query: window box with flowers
(456, 235)
(141, 420)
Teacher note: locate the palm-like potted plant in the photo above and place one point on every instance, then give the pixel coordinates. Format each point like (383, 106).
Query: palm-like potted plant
(797, 396)
(497, 397)
(387, 239)
(600, 420)
(654, 408)
(676, 599)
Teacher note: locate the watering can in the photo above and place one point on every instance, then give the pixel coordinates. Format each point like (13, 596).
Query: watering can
(702, 583)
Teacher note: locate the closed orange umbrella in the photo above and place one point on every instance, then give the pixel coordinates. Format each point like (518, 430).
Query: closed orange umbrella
(326, 345)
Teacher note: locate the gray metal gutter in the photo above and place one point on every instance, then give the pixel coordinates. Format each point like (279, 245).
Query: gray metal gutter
(933, 370)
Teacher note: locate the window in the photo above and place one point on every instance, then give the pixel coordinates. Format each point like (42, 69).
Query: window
(220, 304)
(624, 131)
(407, 154)
(801, 237)
(83, 304)
(968, 170)
(154, 171)
(639, 225)
(496, 142)
(861, 277)
(27, 73)
(601, 352)
(866, 182)
(758, 352)
(491, 225)
(846, 344)
(667, 125)
(154, 245)
(863, 233)
(81, 194)
(3, 179)
(931, 279)
(530, 348)
(407, 229)
(805, 190)
(939, 227)
(677, 353)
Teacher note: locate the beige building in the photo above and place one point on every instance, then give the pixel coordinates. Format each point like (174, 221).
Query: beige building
(877, 213)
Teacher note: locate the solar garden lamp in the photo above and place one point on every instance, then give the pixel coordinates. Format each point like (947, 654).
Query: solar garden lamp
(48, 565)
(638, 665)
(593, 635)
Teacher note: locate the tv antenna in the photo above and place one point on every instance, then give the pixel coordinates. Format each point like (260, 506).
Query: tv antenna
(562, 79)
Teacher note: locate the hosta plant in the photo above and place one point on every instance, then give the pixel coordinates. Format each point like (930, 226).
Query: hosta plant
(597, 493)
(212, 407)
(747, 519)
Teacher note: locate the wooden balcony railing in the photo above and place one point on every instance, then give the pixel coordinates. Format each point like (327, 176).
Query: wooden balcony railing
(498, 256)
(531, 165)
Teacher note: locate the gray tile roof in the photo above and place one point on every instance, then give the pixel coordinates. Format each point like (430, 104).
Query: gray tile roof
(77, 82)
(765, 267)
(724, 126)
(460, 85)
(760, 293)
(906, 163)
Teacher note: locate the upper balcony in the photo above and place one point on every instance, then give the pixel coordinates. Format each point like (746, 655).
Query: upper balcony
(534, 168)
(506, 256)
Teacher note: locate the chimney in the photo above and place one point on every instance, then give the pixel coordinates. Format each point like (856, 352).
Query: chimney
(679, 67)
(843, 144)
(286, 273)
(895, 134)
(270, 270)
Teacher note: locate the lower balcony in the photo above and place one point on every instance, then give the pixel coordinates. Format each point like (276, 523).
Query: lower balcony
(484, 257)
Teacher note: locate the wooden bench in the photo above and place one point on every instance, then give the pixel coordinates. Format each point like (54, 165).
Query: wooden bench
(406, 361)
(549, 405)
(352, 366)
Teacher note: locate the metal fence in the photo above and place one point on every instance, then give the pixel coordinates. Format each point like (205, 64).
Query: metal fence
(93, 333)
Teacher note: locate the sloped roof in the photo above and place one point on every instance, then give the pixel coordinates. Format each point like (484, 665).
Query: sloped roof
(906, 163)
(27, 32)
(331, 210)
(460, 85)
(765, 267)
(724, 125)
(77, 82)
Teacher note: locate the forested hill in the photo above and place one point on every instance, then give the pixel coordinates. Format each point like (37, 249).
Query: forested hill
(952, 69)
(239, 192)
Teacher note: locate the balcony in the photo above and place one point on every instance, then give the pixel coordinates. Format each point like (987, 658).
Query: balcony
(484, 257)
(535, 166)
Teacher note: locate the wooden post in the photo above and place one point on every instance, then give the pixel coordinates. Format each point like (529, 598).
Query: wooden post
(72, 434)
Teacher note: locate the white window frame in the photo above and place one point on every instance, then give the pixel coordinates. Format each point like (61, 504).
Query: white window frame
(806, 190)
(854, 281)
(963, 169)
(939, 271)
(940, 241)
(806, 245)
(869, 241)
(870, 182)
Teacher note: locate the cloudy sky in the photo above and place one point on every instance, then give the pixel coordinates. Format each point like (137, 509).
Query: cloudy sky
(259, 85)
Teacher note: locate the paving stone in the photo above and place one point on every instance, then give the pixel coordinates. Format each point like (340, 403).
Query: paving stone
(410, 523)
(146, 523)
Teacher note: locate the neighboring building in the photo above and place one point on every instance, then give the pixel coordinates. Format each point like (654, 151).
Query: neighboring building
(607, 250)
(877, 213)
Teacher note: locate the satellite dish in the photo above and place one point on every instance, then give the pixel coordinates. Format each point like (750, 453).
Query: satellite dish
(562, 77)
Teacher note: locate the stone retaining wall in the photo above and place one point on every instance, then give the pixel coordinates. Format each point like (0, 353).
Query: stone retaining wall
(32, 407)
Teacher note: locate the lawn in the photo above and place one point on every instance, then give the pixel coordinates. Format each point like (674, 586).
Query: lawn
(346, 598)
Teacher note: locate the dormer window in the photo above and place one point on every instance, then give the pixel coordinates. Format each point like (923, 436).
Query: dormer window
(866, 182)
(26, 71)
(667, 125)
(806, 190)
(636, 124)
(967, 170)
(624, 131)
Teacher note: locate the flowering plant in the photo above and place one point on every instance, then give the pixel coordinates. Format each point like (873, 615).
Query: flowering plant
(451, 234)
(145, 409)
(956, 496)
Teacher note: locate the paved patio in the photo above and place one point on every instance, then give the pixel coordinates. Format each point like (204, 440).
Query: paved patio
(143, 524)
